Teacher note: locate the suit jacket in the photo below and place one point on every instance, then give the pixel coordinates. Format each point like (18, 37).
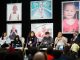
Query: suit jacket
(77, 39)
(47, 41)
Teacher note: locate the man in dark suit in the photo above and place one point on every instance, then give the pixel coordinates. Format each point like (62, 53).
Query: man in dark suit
(76, 37)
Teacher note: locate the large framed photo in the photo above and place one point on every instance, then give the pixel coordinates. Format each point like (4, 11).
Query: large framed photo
(14, 29)
(14, 12)
(70, 16)
(41, 28)
(41, 10)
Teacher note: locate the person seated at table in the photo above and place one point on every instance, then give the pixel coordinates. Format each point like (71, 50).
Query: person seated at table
(76, 37)
(60, 41)
(47, 40)
(31, 40)
(16, 42)
(4, 39)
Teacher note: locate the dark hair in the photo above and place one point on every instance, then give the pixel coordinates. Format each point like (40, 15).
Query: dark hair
(47, 33)
(3, 35)
(17, 36)
(45, 55)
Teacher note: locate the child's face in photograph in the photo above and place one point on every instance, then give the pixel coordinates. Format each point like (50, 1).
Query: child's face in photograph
(13, 27)
(69, 11)
(14, 8)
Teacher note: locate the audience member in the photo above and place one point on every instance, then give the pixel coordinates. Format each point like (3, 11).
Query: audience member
(40, 56)
(50, 55)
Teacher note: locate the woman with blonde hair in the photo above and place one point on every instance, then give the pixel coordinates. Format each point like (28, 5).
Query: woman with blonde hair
(60, 41)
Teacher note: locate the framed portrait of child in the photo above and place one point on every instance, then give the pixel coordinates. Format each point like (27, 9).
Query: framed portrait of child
(70, 16)
(14, 12)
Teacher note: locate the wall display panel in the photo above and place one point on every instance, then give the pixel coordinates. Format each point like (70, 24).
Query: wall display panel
(14, 12)
(41, 9)
(41, 28)
(14, 28)
(70, 16)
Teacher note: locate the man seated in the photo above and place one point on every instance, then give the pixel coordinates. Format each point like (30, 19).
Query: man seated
(76, 37)
(47, 40)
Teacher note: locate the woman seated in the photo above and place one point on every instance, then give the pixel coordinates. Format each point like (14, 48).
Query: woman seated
(31, 40)
(60, 41)
(31, 43)
(4, 39)
(16, 42)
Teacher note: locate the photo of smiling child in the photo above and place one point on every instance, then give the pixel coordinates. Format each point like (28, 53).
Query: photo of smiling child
(14, 15)
(14, 12)
(70, 17)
